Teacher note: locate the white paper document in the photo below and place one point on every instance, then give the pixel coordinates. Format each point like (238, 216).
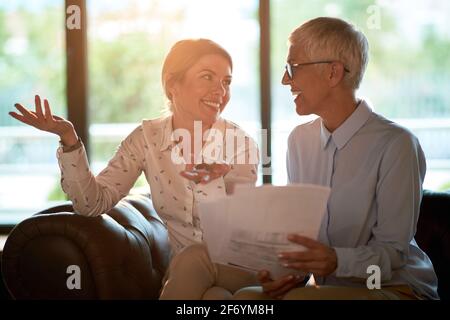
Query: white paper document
(248, 229)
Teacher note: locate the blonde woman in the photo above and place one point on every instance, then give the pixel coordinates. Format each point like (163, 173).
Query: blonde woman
(171, 150)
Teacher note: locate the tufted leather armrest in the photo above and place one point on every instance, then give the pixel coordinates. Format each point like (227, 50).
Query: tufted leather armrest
(122, 254)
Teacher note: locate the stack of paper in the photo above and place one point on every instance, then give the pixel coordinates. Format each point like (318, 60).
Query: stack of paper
(248, 229)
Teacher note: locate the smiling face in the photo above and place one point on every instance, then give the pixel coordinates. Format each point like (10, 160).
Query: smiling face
(308, 84)
(203, 92)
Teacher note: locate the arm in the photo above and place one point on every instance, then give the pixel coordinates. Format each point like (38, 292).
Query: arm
(92, 196)
(398, 196)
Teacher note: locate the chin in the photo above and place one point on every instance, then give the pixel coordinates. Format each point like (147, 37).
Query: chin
(209, 121)
(301, 111)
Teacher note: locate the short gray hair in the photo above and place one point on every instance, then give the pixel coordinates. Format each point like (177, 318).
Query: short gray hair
(327, 38)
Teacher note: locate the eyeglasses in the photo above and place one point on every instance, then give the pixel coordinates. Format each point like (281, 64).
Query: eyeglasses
(290, 67)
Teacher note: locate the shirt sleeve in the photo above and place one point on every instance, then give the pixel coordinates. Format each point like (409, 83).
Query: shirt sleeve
(244, 164)
(93, 195)
(398, 196)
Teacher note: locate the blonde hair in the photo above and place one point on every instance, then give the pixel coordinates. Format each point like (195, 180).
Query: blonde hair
(327, 38)
(181, 57)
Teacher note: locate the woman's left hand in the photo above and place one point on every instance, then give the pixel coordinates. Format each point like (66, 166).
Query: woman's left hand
(204, 173)
(318, 258)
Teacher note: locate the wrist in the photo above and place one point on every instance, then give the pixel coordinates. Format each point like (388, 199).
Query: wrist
(71, 148)
(69, 140)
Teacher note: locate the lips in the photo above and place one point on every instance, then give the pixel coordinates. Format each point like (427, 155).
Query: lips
(212, 104)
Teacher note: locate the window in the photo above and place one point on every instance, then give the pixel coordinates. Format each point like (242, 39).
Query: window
(127, 44)
(31, 61)
(407, 78)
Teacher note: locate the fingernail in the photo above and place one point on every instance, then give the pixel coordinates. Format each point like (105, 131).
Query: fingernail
(286, 265)
(281, 256)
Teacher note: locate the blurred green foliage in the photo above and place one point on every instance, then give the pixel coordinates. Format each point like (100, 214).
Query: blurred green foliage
(444, 187)
(408, 75)
(125, 79)
(31, 59)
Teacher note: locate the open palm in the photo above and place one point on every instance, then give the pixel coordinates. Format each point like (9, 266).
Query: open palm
(41, 120)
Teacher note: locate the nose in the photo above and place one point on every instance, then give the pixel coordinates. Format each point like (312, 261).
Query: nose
(220, 88)
(285, 80)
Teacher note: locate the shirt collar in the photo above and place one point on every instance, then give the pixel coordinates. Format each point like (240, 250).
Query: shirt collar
(342, 135)
(166, 137)
(325, 135)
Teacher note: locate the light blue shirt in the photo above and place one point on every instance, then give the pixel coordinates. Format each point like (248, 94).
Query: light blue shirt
(375, 170)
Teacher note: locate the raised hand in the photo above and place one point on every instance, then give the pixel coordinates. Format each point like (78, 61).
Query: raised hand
(45, 121)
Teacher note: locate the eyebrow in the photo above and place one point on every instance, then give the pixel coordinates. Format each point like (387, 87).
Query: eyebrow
(209, 70)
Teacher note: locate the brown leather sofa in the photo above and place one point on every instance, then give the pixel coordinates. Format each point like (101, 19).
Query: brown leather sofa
(121, 255)
(124, 254)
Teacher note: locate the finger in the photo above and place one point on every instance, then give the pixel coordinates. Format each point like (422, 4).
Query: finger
(193, 176)
(58, 118)
(37, 102)
(264, 276)
(48, 111)
(220, 169)
(291, 256)
(277, 284)
(305, 266)
(54, 118)
(280, 292)
(214, 174)
(25, 112)
(189, 174)
(34, 113)
(206, 178)
(275, 288)
(21, 118)
(304, 241)
(202, 166)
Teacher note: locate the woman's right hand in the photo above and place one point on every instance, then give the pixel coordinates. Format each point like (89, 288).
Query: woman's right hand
(46, 121)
